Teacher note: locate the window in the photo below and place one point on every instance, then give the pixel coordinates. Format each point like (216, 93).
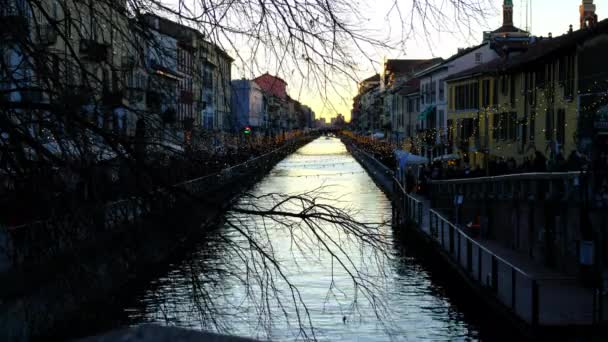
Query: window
(504, 126)
(441, 117)
(466, 130)
(539, 77)
(512, 126)
(495, 93)
(562, 69)
(532, 125)
(512, 90)
(561, 126)
(478, 58)
(467, 96)
(569, 77)
(433, 91)
(504, 85)
(450, 132)
(485, 94)
(442, 90)
(549, 128)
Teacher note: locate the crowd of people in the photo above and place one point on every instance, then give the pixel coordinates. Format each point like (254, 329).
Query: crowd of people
(419, 176)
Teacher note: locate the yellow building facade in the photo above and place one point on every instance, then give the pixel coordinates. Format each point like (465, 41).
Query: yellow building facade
(512, 108)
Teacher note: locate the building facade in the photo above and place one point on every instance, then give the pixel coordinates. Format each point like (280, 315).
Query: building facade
(548, 99)
(248, 105)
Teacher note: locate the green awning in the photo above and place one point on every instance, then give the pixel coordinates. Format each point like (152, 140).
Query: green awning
(425, 113)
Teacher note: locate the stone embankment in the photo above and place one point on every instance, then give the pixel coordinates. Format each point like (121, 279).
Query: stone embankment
(50, 274)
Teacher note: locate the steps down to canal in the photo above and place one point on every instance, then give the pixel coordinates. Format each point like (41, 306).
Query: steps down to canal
(537, 299)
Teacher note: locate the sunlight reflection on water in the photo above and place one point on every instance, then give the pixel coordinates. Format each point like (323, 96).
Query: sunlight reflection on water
(226, 297)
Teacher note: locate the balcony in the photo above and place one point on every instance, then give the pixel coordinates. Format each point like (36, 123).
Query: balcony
(186, 97)
(14, 22)
(94, 51)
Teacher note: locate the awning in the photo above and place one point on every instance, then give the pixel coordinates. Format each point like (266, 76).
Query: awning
(447, 157)
(425, 113)
(405, 158)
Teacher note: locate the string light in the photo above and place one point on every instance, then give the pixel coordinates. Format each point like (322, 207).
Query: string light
(542, 100)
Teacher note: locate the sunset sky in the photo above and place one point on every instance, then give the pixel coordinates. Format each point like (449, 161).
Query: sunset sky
(376, 19)
(547, 16)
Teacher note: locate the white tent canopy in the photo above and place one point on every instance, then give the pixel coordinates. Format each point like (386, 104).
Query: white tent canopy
(447, 157)
(410, 158)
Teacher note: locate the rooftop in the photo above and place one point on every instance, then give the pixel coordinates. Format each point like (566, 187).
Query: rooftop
(409, 65)
(538, 50)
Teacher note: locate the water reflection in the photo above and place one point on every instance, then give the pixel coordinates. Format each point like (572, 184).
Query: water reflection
(226, 286)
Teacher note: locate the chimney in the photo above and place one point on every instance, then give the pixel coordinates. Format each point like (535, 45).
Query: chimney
(570, 30)
(507, 13)
(550, 35)
(588, 16)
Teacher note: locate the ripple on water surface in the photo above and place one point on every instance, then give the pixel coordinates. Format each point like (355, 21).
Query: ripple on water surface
(228, 295)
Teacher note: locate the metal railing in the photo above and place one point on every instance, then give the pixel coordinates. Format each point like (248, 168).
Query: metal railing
(547, 301)
(537, 300)
(515, 288)
(38, 240)
(518, 177)
(567, 186)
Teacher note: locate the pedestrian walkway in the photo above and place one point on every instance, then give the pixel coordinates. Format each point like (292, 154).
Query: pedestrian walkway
(560, 300)
(536, 294)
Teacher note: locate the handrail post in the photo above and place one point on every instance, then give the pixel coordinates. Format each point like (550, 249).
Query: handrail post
(442, 234)
(535, 306)
(451, 240)
(479, 264)
(469, 256)
(459, 247)
(494, 273)
(513, 287)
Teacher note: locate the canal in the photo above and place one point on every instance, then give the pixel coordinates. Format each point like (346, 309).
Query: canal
(224, 285)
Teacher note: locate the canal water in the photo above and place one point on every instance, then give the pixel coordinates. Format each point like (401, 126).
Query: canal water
(226, 286)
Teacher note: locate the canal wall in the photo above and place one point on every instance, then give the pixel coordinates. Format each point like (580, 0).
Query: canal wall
(512, 300)
(133, 240)
(380, 174)
(154, 333)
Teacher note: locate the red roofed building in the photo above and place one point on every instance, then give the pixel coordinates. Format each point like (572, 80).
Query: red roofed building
(272, 85)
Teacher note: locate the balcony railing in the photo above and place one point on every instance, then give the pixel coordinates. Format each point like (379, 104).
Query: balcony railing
(14, 20)
(94, 51)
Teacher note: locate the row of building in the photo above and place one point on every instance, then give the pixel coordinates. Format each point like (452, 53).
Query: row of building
(128, 72)
(510, 96)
